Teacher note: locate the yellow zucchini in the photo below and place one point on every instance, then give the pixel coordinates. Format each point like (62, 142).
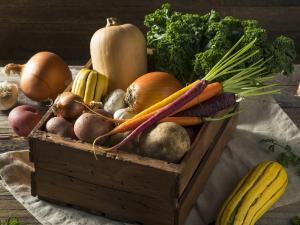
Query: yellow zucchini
(254, 195)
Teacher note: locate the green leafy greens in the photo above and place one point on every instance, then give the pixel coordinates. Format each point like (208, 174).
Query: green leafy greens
(11, 221)
(295, 220)
(287, 157)
(189, 45)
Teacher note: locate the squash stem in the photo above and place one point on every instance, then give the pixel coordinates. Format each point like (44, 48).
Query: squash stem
(112, 21)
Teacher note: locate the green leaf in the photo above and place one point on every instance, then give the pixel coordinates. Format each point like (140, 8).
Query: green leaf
(11, 221)
(286, 157)
(295, 220)
(189, 45)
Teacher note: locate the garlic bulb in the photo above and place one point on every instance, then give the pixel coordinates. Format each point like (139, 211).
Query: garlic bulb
(115, 101)
(8, 95)
(125, 113)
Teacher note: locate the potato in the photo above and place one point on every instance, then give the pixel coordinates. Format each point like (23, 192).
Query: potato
(89, 126)
(167, 141)
(61, 127)
(22, 119)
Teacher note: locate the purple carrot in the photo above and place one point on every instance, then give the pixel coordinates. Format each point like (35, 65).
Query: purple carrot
(164, 112)
(211, 106)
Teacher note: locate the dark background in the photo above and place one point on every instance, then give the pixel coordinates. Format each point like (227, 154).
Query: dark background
(66, 26)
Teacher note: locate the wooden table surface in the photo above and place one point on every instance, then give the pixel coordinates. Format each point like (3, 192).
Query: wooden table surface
(9, 207)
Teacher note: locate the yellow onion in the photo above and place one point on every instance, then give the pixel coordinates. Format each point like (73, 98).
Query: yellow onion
(150, 89)
(43, 77)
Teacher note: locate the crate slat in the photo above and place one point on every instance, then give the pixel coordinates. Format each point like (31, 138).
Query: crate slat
(204, 170)
(109, 172)
(103, 200)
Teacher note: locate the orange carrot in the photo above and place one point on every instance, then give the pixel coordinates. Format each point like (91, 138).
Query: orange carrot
(210, 91)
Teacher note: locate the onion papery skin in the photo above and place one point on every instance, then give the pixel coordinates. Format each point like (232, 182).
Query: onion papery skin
(150, 89)
(69, 106)
(43, 77)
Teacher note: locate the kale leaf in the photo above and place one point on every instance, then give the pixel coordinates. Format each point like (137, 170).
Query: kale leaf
(189, 45)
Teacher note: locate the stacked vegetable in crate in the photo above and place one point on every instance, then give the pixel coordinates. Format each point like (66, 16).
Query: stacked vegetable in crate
(201, 65)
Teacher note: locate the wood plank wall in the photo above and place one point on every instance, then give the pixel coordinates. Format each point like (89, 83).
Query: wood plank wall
(66, 26)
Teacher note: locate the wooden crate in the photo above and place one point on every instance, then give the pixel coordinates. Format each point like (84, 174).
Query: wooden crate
(122, 185)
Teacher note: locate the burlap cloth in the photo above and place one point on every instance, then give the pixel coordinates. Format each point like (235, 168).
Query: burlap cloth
(262, 118)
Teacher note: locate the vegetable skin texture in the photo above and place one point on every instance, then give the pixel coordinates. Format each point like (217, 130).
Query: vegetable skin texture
(124, 113)
(164, 112)
(149, 89)
(115, 101)
(119, 52)
(22, 119)
(8, 95)
(90, 85)
(167, 141)
(43, 77)
(211, 106)
(61, 127)
(89, 126)
(254, 195)
(188, 45)
(69, 106)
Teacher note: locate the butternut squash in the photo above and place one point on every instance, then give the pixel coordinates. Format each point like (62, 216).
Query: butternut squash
(119, 52)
